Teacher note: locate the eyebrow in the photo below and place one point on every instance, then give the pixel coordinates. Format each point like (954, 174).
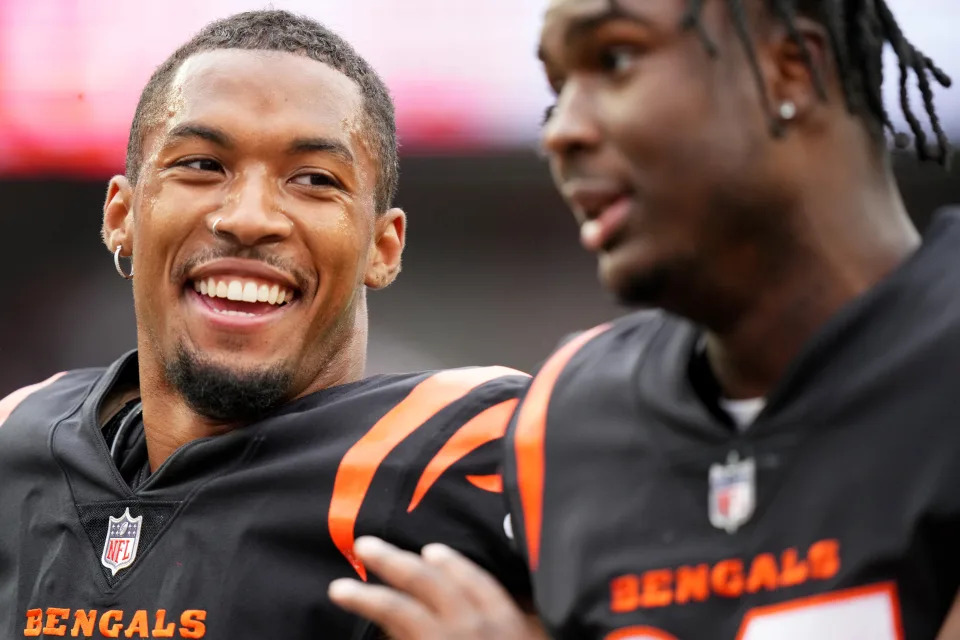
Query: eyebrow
(188, 130)
(321, 145)
(580, 27)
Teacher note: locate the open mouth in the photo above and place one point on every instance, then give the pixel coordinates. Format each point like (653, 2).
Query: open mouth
(242, 297)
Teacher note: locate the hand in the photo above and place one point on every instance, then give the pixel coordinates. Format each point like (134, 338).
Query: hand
(439, 595)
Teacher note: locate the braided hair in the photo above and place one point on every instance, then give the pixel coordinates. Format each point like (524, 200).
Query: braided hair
(858, 31)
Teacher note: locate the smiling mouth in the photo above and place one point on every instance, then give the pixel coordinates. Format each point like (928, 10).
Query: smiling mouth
(242, 297)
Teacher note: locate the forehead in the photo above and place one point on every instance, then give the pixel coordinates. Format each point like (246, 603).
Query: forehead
(568, 8)
(263, 92)
(564, 20)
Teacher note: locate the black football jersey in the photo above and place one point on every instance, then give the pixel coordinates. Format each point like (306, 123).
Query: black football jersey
(646, 515)
(238, 535)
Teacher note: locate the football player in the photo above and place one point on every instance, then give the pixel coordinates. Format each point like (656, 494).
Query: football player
(772, 453)
(211, 484)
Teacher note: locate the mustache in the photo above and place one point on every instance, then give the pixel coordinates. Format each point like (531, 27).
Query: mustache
(303, 279)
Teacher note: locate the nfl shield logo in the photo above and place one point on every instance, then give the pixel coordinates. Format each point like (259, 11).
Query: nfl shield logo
(123, 537)
(732, 492)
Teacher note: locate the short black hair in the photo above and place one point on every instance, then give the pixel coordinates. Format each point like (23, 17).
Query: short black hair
(858, 30)
(273, 30)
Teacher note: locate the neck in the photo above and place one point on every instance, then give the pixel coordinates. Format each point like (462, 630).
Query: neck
(845, 243)
(169, 422)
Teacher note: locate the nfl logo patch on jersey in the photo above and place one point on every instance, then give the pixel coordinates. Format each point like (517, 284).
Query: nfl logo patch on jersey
(732, 492)
(123, 537)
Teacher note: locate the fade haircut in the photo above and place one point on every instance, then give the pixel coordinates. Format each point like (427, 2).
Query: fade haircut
(281, 31)
(858, 30)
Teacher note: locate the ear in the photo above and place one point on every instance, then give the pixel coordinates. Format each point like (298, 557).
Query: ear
(383, 262)
(803, 75)
(118, 216)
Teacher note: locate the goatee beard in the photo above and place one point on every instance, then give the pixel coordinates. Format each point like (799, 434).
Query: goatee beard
(224, 395)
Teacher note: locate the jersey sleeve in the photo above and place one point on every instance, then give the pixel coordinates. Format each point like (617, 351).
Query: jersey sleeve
(9, 403)
(454, 493)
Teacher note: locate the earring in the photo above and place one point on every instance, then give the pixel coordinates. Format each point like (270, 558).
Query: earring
(788, 110)
(116, 263)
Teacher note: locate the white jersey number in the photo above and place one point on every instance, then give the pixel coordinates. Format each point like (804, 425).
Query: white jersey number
(863, 613)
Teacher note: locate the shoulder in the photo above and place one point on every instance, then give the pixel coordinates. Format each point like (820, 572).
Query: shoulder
(402, 420)
(642, 324)
(428, 454)
(465, 380)
(417, 396)
(50, 397)
(446, 400)
(934, 268)
(919, 300)
(623, 338)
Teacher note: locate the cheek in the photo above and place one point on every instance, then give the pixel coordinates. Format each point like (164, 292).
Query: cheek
(164, 218)
(339, 247)
(659, 119)
(684, 133)
(158, 223)
(554, 164)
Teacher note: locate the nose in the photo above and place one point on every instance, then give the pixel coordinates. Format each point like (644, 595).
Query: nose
(572, 125)
(251, 214)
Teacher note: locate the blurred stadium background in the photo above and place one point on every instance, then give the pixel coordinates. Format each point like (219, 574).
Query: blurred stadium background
(493, 272)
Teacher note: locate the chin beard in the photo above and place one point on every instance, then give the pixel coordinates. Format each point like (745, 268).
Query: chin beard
(224, 395)
(642, 289)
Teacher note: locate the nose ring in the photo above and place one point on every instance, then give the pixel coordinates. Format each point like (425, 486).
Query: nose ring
(213, 229)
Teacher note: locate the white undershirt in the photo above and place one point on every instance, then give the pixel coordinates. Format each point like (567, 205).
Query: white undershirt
(743, 412)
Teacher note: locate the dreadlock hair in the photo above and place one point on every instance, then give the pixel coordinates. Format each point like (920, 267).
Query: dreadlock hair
(858, 30)
(272, 30)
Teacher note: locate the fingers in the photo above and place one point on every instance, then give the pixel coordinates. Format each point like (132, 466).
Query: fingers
(440, 596)
(473, 582)
(409, 573)
(396, 613)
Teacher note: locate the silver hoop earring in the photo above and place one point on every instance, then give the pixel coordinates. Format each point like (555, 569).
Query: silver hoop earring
(116, 263)
(213, 229)
(788, 110)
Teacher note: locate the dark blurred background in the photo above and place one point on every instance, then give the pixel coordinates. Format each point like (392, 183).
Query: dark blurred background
(493, 272)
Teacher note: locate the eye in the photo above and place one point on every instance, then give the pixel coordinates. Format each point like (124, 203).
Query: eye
(200, 164)
(618, 59)
(547, 113)
(316, 180)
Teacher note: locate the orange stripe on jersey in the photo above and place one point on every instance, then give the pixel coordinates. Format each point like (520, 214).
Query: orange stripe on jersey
(529, 435)
(639, 633)
(492, 483)
(12, 401)
(360, 463)
(486, 426)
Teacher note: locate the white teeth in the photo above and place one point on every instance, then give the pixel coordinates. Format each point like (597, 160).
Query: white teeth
(243, 290)
(230, 312)
(235, 290)
(250, 292)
